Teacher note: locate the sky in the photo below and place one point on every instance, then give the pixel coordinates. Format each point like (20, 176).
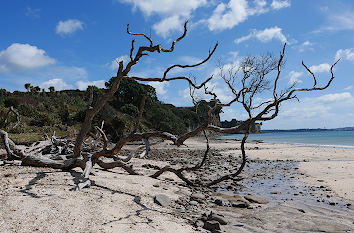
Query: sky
(74, 44)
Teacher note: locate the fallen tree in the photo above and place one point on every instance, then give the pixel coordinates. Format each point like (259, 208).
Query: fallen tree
(90, 149)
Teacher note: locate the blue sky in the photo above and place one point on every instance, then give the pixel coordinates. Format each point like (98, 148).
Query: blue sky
(73, 44)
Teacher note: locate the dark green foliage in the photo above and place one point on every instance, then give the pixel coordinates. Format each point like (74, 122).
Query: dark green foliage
(11, 101)
(130, 109)
(27, 110)
(58, 110)
(132, 92)
(44, 119)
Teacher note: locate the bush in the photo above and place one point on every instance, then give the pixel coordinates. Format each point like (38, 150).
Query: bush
(27, 110)
(11, 101)
(130, 109)
(43, 119)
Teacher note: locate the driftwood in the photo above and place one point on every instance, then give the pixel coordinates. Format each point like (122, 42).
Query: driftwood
(86, 153)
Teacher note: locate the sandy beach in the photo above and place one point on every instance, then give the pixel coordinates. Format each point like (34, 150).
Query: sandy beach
(307, 189)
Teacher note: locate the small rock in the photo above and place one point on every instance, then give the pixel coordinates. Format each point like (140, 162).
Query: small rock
(221, 201)
(212, 225)
(194, 203)
(199, 223)
(240, 204)
(217, 217)
(156, 185)
(256, 199)
(197, 196)
(162, 200)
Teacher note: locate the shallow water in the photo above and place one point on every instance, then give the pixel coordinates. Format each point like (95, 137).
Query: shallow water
(319, 138)
(280, 181)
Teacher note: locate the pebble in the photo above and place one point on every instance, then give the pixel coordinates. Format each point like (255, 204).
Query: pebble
(162, 200)
(194, 203)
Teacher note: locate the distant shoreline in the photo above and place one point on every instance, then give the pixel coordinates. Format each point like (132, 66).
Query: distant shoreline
(308, 130)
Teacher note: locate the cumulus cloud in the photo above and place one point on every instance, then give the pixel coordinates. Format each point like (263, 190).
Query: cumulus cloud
(226, 16)
(266, 35)
(345, 54)
(335, 98)
(321, 68)
(21, 57)
(82, 85)
(330, 110)
(172, 13)
(69, 26)
(168, 24)
(294, 77)
(160, 88)
(277, 4)
(57, 83)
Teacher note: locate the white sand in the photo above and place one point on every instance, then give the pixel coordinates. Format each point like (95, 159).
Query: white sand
(39, 199)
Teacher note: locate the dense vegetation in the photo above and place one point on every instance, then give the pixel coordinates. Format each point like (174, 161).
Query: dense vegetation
(63, 111)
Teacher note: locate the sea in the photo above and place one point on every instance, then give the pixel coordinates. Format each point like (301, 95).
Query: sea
(335, 138)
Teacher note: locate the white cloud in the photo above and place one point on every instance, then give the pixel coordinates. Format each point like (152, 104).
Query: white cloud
(160, 87)
(335, 98)
(330, 110)
(69, 26)
(57, 83)
(348, 88)
(190, 59)
(114, 63)
(228, 16)
(172, 12)
(321, 68)
(82, 85)
(21, 57)
(265, 35)
(345, 54)
(277, 4)
(338, 17)
(294, 77)
(304, 46)
(165, 26)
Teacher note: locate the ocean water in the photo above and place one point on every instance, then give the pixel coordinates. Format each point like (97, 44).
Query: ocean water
(318, 138)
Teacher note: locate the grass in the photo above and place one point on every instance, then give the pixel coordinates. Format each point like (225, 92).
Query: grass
(29, 138)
